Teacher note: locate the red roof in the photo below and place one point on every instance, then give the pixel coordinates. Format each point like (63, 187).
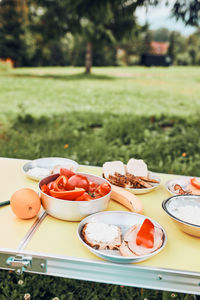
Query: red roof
(159, 47)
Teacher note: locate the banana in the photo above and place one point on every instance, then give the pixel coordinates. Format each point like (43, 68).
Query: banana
(127, 199)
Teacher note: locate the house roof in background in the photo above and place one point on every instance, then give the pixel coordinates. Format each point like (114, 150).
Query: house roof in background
(159, 47)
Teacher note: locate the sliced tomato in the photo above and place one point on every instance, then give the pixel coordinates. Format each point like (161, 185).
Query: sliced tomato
(66, 172)
(103, 189)
(79, 181)
(67, 195)
(45, 189)
(145, 236)
(61, 183)
(84, 197)
(195, 182)
(92, 186)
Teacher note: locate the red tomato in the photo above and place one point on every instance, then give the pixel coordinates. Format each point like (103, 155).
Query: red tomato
(84, 197)
(103, 189)
(67, 195)
(79, 181)
(66, 172)
(195, 182)
(92, 186)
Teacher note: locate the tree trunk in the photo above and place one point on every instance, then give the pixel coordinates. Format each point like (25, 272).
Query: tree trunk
(88, 58)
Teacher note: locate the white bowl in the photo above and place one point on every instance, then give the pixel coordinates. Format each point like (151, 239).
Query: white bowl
(47, 163)
(146, 190)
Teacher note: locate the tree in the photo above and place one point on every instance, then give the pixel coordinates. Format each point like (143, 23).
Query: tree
(161, 35)
(12, 30)
(105, 21)
(188, 11)
(177, 47)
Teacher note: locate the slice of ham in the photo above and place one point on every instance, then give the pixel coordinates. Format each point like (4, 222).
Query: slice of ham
(193, 190)
(125, 251)
(130, 239)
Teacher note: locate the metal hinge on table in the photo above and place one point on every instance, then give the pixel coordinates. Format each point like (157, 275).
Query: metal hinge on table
(21, 263)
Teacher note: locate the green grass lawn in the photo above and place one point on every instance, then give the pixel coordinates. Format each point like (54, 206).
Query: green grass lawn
(114, 113)
(135, 90)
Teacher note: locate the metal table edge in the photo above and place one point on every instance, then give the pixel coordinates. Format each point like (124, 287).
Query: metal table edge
(105, 272)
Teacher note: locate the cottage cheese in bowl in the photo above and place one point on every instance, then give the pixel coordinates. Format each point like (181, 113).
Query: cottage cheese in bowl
(39, 172)
(184, 210)
(187, 213)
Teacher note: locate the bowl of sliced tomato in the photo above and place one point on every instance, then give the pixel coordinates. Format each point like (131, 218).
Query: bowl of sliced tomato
(72, 196)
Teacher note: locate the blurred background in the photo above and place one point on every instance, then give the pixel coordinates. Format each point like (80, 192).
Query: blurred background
(113, 33)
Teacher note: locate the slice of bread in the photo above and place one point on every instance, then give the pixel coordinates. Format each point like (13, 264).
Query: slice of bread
(137, 167)
(112, 167)
(102, 236)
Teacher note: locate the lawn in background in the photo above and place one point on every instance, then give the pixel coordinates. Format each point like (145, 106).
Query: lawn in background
(140, 91)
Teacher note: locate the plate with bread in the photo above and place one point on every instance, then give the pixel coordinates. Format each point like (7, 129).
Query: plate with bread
(122, 237)
(133, 176)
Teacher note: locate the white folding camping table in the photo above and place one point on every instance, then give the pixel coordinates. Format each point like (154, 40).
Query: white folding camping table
(49, 246)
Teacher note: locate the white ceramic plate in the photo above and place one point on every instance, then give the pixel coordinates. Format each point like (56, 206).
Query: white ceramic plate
(146, 190)
(46, 164)
(125, 220)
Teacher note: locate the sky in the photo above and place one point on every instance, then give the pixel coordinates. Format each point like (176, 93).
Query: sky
(159, 17)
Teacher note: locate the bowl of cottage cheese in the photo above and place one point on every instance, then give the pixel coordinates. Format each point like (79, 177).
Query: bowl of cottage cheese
(40, 168)
(184, 210)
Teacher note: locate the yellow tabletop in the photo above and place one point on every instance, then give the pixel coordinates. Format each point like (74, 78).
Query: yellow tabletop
(57, 237)
(13, 229)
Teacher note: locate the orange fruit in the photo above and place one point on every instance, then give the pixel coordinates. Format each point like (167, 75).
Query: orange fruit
(25, 203)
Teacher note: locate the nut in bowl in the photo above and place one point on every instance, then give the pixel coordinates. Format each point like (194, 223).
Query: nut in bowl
(184, 210)
(65, 199)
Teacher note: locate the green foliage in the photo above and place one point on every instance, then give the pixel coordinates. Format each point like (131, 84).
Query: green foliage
(12, 41)
(187, 11)
(183, 59)
(161, 35)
